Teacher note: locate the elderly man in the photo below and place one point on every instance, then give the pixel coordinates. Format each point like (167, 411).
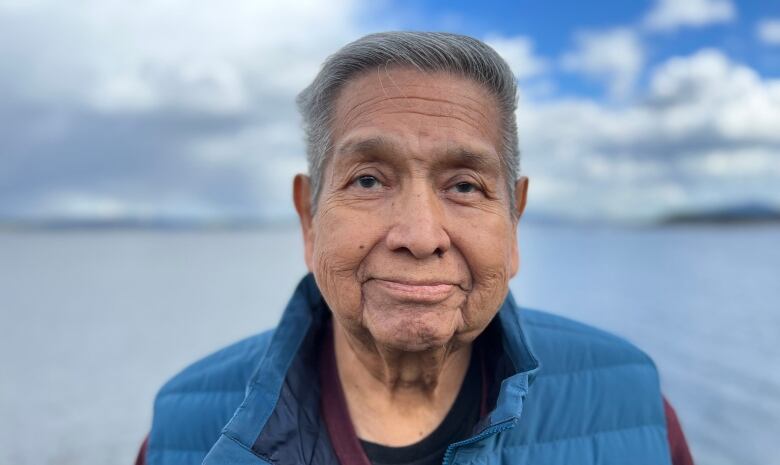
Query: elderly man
(403, 345)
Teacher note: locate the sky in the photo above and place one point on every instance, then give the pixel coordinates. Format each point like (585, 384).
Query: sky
(628, 111)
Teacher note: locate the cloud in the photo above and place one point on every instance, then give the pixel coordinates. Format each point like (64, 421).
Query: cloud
(768, 31)
(158, 108)
(672, 14)
(614, 56)
(181, 110)
(518, 51)
(703, 133)
(707, 92)
(178, 54)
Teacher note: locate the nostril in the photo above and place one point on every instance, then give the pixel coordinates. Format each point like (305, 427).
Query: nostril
(439, 253)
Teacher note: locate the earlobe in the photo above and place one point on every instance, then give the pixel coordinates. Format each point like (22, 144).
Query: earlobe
(302, 201)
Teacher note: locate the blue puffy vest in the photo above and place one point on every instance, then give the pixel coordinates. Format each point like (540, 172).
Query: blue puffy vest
(582, 396)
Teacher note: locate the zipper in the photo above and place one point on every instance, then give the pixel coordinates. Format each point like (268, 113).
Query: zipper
(497, 428)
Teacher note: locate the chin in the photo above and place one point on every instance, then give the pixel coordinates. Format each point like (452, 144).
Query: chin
(412, 333)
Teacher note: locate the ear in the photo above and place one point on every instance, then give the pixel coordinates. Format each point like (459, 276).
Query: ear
(302, 201)
(521, 196)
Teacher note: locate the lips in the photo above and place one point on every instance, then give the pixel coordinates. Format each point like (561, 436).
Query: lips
(411, 291)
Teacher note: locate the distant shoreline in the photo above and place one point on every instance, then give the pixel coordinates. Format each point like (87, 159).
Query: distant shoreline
(750, 213)
(736, 215)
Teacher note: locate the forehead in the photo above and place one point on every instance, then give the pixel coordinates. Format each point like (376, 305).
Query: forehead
(419, 110)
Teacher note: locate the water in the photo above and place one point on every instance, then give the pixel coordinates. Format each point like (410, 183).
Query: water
(91, 323)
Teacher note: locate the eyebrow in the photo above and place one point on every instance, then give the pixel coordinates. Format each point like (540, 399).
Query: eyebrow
(460, 156)
(457, 156)
(367, 146)
(364, 150)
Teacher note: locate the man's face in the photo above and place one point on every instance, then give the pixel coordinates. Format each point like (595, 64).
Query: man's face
(413, 241)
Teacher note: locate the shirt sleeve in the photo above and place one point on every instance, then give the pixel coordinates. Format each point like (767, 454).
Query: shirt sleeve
(141, 458)
(678, 446)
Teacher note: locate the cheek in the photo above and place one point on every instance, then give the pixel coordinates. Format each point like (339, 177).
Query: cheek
(487, 250)
(341, 245)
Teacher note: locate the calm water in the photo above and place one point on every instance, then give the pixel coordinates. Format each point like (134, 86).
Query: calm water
(92, 323)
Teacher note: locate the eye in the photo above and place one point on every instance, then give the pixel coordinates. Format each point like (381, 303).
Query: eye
(367, 182)
(465, 188)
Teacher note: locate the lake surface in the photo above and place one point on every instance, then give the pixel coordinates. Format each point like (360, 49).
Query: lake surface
(92, 323)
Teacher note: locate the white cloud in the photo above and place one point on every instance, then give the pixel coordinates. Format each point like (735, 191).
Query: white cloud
(72, 205)
(768, 31)
(738, 163)
(519, 53)
(703, 133)
(193, 99)
(707, 92)
(274, 153)
(195, 103)
(125, 93)
(672, 14)
(615, 56)
(175, 54)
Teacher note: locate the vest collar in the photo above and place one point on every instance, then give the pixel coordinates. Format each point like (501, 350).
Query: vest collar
(524, 365)
(304, 315)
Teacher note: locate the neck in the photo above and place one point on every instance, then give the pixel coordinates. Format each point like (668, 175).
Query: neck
(394, 397)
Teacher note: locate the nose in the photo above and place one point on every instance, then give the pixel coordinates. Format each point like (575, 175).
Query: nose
(418, 225)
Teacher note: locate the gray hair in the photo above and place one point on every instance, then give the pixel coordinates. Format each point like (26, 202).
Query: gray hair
(426, 51)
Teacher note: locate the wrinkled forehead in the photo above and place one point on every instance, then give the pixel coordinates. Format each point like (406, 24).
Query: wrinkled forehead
(456, 108)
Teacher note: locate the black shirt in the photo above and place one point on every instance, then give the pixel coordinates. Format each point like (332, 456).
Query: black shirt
(456, 426)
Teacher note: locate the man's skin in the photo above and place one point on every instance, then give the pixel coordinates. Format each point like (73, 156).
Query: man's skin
(412, 243)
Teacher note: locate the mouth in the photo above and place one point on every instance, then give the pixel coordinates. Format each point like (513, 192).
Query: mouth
(416, 291)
